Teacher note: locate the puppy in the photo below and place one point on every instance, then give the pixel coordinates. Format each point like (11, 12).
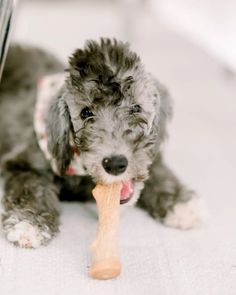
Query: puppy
(104, 119)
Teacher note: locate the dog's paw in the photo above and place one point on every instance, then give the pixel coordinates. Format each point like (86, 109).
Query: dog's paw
(26, 235)
(187, 215)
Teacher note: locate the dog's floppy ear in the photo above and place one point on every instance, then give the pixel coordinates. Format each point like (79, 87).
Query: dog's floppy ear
(58, 130)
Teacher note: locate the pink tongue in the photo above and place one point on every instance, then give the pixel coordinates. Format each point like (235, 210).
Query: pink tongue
(126, 190)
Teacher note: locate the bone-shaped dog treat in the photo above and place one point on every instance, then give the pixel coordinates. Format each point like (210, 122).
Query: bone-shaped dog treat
(105, 259)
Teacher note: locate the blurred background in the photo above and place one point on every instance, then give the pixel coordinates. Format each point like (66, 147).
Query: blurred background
(64, 25)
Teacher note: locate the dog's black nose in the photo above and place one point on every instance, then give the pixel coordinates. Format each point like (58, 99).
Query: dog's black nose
(115, 165)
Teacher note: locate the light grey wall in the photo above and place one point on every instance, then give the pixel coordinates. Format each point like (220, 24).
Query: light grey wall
(210, 23)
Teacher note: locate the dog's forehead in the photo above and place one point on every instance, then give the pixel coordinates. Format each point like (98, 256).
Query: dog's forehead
(112, 108)
(128, 91)
(97, 95)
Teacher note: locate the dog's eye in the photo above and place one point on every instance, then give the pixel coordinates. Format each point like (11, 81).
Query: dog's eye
(135, 109)
(86, 113)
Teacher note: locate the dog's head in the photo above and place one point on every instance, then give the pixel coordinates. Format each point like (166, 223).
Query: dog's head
(115, 112)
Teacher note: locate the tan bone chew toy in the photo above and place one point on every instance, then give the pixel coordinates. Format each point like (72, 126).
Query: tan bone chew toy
(105, 259)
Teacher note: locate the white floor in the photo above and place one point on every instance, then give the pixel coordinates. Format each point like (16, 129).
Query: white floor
(201, 149)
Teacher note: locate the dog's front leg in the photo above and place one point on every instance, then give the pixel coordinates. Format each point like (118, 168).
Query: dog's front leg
(167, 199)
(30, 204)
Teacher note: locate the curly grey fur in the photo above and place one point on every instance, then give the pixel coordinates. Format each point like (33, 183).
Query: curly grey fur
(108, 78)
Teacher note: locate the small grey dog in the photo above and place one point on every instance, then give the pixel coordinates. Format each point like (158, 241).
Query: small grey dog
(112, 114)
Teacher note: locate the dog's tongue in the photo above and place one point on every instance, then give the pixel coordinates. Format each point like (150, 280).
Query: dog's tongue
(126, 190)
